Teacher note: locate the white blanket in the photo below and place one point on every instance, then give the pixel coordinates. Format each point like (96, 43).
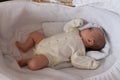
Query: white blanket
(24, 16)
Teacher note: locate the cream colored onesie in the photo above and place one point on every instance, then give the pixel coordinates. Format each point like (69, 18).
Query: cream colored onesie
(67, 46)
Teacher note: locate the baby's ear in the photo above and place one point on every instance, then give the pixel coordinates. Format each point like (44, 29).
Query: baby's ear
(90, 42)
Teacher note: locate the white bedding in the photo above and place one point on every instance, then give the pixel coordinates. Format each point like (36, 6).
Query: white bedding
(26, 17)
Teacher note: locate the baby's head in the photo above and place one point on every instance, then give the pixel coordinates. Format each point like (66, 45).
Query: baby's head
(93, 38)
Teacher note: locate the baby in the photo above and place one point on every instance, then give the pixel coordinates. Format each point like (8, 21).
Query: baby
(70, 46)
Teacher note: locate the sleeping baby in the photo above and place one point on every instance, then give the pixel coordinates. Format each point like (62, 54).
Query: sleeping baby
(71, 45)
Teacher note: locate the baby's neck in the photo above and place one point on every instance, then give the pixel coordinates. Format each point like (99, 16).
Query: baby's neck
(82, 39)
(80, 34)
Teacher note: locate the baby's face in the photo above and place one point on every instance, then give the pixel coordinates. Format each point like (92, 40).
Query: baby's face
(88, 36)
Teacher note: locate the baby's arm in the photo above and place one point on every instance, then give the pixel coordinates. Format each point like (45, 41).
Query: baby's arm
(73, 24)
(83, 62)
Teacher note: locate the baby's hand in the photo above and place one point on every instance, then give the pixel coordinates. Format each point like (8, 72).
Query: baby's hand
(73, 25)
(77, 22)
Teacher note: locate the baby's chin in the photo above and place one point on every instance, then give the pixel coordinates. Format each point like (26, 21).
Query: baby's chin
(80, 33)
(88, 49)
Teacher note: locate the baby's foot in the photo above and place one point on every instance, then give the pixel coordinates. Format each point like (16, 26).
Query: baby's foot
(20, 46)
(21, 63)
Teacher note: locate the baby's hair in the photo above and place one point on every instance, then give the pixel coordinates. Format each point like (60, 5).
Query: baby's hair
(99, 43)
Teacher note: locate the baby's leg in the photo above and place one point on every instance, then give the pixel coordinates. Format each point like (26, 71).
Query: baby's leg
(38, 62)
(34, 38)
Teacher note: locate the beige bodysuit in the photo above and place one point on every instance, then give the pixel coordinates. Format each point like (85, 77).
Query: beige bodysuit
(67, 46)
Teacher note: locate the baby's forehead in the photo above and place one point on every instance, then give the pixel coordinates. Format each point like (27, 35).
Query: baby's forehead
(97, 31)
(94, 30)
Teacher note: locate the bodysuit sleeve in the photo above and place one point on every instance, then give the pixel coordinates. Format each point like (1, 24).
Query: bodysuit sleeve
(83, 62)
(73, 24)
